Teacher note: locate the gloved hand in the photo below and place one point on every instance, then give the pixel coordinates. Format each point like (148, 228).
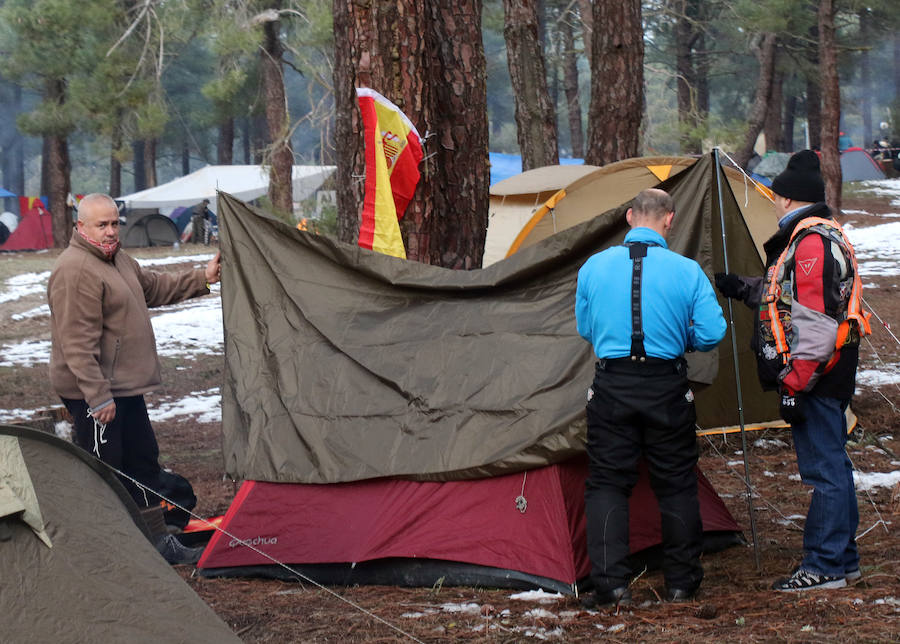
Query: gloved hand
(791, 406)
(731, 285)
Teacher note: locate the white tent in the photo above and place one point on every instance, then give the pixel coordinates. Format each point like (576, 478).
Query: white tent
(246, 182)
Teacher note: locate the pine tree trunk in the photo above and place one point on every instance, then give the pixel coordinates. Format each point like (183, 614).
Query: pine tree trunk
(535, 116)
(586, 11)
(45, 166)
(428, 59)
(814, 103)
(831, 106)
(787, 135)
(865, 77)
(59, 189)
(281, 156)
(617, 82)
(685, 80)
(225, 146)
(140, 175)
(150, 163)
(459, 175)
(570, 85)
(774, 127)
(115, 166)
(185, 158)
(245, 140)
(765, 54)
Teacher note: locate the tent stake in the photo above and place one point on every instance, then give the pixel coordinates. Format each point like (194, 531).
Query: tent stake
(737, 372)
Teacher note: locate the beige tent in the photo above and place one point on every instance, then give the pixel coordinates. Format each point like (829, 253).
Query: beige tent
(516, 199)
(617, 183)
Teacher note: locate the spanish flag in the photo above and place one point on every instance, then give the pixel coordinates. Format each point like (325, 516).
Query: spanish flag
(393, 152)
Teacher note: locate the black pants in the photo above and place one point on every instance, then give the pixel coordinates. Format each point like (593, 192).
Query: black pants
(130, 444)
(642, 410)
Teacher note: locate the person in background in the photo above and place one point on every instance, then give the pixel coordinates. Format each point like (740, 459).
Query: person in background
(809, 321)
(200, 223)
(642, 306)
(103, 356)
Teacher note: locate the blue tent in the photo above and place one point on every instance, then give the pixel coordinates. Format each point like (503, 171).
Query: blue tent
(504, 166)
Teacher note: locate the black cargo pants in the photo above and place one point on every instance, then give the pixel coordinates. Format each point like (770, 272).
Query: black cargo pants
(644, 409)
(128, 443)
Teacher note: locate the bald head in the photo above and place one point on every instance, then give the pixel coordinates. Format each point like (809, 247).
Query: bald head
(652, 208)
(98, 218)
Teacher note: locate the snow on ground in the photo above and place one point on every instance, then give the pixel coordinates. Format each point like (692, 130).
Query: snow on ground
(202, 406)
(877, 249)
(870, 480)
(887, 375)
(19, 286)
(884, 188)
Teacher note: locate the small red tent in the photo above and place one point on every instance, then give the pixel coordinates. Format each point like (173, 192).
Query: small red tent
(517, 530)
(35, 230)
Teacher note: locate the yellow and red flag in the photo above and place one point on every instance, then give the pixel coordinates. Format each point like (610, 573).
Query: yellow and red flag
(393, 152)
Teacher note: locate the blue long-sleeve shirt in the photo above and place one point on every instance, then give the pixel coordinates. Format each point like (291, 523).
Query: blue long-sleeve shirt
(678, 304)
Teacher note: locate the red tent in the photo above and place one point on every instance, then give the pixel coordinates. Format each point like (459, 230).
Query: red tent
(35, 230)
(518, 530)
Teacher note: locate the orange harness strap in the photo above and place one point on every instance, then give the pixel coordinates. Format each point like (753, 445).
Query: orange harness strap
(854, 305)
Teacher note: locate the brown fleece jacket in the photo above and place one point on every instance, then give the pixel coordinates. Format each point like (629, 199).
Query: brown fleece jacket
(103, 343)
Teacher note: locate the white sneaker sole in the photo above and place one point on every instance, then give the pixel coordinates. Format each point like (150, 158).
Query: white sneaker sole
(837, 583)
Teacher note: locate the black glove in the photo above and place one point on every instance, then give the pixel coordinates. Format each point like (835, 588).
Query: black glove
(791, 406)
(731, 285)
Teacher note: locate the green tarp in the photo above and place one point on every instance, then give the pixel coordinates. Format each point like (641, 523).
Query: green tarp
(343, 364)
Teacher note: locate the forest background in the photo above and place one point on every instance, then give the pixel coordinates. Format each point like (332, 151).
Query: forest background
(120, 95)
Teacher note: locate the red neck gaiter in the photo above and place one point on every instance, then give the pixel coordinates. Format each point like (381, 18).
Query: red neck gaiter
(108, 249)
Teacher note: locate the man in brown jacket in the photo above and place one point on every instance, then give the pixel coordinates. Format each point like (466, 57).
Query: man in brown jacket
(104, 358)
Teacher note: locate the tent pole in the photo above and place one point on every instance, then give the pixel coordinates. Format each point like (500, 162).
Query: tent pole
(737, 371)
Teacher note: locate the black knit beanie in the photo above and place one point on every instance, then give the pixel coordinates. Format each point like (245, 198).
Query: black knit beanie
(801, 180)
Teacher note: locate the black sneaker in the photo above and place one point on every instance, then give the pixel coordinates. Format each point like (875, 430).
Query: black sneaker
(807, 580)
(680, 594)
(620, 596)
(175, 553)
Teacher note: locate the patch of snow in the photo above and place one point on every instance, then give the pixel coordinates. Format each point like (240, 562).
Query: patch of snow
(8, 415)
(25, 354)
(878, 377)
(205, 406)
(794, 477)
(769, 443)
(176, 259)
(63, 429)
(540, 596)
(877, 248)
(19, 286)
(41, 311)
(869, 481)
(768, 473)
(465, 609)
(539, 613)
(615, 628)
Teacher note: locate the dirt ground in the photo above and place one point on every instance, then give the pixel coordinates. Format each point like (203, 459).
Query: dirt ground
(735, 602)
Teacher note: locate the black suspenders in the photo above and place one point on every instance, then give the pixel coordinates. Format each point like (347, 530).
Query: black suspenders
(637, 251)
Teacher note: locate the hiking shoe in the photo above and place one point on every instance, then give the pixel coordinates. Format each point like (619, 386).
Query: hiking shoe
(808, 580)
(175, 553)
(620, 596)
(852, 575)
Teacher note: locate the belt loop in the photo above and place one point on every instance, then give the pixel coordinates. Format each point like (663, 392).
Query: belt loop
(601, 364)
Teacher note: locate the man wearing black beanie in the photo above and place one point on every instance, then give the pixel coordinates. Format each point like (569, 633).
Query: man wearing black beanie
(806, 341)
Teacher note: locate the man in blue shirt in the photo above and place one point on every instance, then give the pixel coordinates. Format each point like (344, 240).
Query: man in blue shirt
(642, 306)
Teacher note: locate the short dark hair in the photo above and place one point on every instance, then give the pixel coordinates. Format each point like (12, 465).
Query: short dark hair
(653, 202)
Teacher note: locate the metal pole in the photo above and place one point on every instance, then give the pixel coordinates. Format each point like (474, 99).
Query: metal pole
(737, 372)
